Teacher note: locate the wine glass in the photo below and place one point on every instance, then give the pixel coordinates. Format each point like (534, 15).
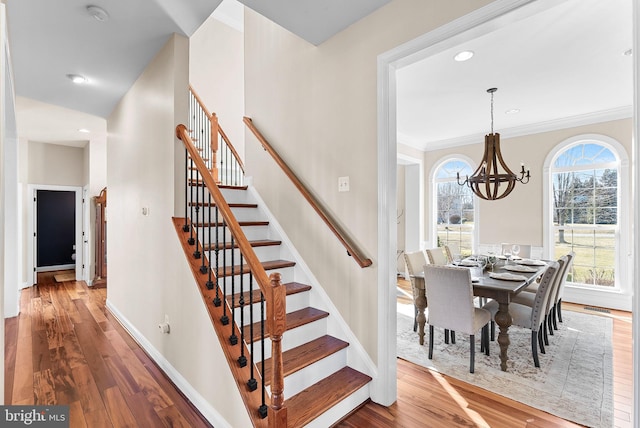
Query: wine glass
(515, 250)
(492, 259)
(506, 252)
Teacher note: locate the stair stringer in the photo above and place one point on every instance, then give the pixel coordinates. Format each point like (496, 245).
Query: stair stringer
(357, 357)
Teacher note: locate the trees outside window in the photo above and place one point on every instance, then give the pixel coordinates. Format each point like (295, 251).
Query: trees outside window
(455, 214)
(585, 180)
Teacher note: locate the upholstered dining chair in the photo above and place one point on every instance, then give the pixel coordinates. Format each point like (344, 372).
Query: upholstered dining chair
(450, 295)
(532, 317)
(556, 301)
(415, 261)
(451, 250)
(436, 256)
(528, 299)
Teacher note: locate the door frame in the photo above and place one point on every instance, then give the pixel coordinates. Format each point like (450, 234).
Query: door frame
(32, 219)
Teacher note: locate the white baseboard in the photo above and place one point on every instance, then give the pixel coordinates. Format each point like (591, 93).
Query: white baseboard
(57, 267)
(209, 412)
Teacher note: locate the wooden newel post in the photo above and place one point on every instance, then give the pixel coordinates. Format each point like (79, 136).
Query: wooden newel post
(214, 147)
(276, 314)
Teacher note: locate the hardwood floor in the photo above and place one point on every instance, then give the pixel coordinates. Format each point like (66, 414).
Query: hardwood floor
(427, 398)
(66, 348)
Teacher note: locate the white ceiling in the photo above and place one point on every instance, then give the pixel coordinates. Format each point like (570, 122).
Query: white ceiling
(560, 63)
(560, 66)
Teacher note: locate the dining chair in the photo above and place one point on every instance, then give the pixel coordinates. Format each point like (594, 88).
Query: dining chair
(414, 261)
(531, 317)
(436, 256)
(450, 295)
(452, 250)
(557, 298)
(528, 299)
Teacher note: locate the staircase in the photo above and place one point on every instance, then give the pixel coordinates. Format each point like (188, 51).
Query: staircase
(319, 387)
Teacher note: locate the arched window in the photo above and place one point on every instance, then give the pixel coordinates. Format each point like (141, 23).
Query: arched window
(454, 215)
(586, 209)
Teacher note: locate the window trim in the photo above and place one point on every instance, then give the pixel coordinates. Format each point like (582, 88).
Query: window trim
(623, 262)
(433, 212)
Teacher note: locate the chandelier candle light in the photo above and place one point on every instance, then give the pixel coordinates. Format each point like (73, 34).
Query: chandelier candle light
(486, 180)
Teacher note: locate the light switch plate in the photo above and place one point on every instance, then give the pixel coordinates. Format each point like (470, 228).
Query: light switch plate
(343, 184)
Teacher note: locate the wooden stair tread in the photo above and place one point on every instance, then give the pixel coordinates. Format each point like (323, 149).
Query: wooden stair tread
(269, 265)
(255, 243)
(320, 397)
(294, 319)
(290, 287)
(304, 355)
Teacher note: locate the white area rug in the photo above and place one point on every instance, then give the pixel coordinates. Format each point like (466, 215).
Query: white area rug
(574, 381)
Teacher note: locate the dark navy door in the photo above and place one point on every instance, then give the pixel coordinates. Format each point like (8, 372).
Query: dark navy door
(56, 224)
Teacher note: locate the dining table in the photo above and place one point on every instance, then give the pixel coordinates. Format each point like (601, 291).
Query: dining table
(487, 286)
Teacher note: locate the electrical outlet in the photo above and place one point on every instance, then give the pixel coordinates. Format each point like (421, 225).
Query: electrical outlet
(343, 184)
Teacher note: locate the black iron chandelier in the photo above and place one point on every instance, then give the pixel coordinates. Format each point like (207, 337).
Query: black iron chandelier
(493, 179)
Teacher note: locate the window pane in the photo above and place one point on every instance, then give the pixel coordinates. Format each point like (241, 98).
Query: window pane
(584, 198)
(455, 206)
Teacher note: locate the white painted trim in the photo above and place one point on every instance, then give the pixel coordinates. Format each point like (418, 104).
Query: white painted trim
(56, 267)
(495, 13)
(410, 198)
(519, 131)
(208, 411)
(635, 238)
(357, 356)
(31, 227)
(433, 212)
(620, 297)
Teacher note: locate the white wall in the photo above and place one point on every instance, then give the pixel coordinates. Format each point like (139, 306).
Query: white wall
(148, 276)
(216, 72)
(317, 106)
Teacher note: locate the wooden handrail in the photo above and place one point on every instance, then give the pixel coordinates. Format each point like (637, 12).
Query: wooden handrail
(271, 286)
(342, 236)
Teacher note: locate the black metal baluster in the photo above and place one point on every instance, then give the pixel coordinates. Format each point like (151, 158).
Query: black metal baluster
(205, 224)
(262, 410)
(209, 283)
(196, 253)
(185, 227)
(242, 359)
(233, 339)
(191, 237)
(224, 319)
(216, 301)
(251, 383)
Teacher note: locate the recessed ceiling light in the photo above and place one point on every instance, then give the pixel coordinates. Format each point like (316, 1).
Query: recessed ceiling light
(77, 79)
(98, 13)
(463, 56)
(512, 111)
(628, 52)
(84, 130)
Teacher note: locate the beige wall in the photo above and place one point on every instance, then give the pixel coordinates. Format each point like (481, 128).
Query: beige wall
(55, 164)
(216, 72)
(318, 106)
(148, 273)
(503, 220)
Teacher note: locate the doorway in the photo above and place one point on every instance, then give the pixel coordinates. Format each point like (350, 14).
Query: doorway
(55, 230)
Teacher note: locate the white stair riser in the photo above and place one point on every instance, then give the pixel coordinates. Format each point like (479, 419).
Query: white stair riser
(235, 196)
(294, 302)
(340, 410)
(287, 275)
(302, 379)
(252, 233)
(295, 337)
(264, 253)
